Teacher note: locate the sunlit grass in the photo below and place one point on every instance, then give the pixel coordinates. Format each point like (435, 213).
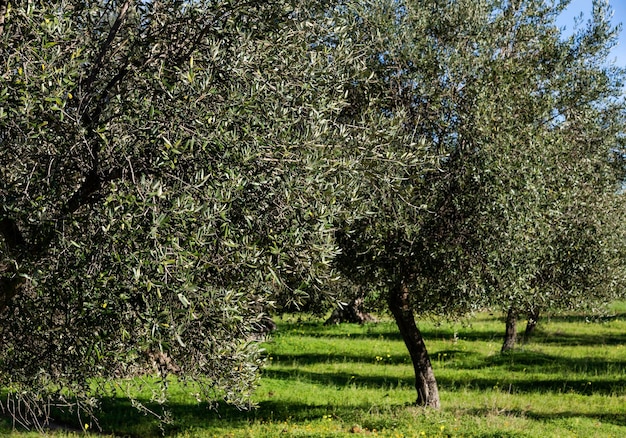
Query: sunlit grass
(348, 380)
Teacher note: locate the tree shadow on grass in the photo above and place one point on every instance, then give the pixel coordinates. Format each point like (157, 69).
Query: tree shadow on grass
(372, 358)
(541, 336)
(526, 360)
(119, 418)
(124, 421)
(388, 331)
(517, 361)
(437, 333)
(510, 383)
(592, 319)
(515, 385)
(520, 370)
(574, 340)
(341, 379)
(615, 419)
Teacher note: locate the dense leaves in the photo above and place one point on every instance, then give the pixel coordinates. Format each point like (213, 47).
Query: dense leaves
(149, 206)
(522, 209)
(170, 171)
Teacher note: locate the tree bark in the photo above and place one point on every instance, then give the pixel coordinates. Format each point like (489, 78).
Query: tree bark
(533, 319)
(3, 12)
(425, 382)
(510, 334)
(351, 313)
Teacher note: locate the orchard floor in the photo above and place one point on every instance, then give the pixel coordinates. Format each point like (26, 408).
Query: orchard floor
(351, 380)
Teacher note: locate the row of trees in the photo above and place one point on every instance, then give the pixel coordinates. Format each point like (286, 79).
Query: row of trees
(172, 170)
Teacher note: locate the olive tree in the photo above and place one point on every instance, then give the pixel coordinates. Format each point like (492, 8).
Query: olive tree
(549, 177)
(410, 64)
(499, 187)
(156, 193)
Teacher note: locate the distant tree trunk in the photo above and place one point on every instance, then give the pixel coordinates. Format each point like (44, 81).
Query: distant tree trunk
(425, 382)
(352, 312)
(510, 334)
(533, 319)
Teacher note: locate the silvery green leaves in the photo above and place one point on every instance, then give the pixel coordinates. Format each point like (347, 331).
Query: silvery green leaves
(158, 191)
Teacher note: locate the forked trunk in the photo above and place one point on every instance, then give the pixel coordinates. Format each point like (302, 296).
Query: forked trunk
(510, 334)
(425, 382)
(352, 313)
(533, 319)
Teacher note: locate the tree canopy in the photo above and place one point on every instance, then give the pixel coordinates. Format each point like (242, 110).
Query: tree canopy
(171, 170)
(522, 207)
(149, 206)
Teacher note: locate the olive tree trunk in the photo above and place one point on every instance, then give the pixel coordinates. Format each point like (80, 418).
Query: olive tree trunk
(510, 333)
(352, 313)
(425, 382)
(531, 325)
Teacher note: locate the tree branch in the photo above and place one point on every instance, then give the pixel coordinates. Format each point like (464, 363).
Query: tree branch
(89, 190)
(4, 4)
(105, 47)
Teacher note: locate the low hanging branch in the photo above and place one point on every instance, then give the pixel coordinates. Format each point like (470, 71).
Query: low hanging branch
(4, 4)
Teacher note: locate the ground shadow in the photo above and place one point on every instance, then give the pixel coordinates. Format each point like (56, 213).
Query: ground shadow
(339, 380)
(515, 383)
(528, 360)
(615, 419)
(573, 340)
(392, 334)
(371, 358)
(122, 420)
(520, 369)
(574, 318)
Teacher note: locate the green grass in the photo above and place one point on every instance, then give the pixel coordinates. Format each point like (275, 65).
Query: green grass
(350, 380)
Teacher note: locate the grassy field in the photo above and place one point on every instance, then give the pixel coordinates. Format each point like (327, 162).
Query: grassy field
(350, 380)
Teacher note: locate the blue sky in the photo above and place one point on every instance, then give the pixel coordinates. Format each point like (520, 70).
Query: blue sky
(619, 16)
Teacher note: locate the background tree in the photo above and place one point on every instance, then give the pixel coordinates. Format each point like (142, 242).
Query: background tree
(520, 207)
(556, 241)
(412, 54)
